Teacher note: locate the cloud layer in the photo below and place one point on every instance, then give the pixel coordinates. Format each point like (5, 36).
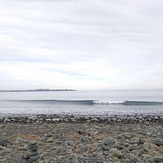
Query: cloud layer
(106, 44)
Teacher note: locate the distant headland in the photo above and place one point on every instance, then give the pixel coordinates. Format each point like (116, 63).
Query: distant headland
(37, 90)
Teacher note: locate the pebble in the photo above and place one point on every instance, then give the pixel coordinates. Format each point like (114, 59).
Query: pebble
(158, 142)
(108, 141)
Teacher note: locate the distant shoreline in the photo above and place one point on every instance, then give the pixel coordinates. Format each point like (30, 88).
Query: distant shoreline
(37, 90)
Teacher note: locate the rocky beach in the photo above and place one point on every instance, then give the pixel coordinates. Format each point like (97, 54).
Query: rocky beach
(69, 139)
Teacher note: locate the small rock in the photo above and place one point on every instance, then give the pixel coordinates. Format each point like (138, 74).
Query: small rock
(158, 142)
(5, 141)
(108, 141)
(126, 144)
(106, 153)
(146, 146)
(105, 148)
(159, 159)
(24, 147)
(19, 139)
(84, 140)
(50, 140)
(135, 141)
(134, 157)
(116, 153)
(120, 136)
(33, 142)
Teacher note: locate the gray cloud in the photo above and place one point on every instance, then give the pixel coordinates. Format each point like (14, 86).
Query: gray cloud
(93, 41)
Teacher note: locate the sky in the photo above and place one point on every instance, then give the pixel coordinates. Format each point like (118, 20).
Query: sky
(81, 44)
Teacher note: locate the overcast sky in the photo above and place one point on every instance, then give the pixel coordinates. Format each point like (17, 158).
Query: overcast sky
(81, 44)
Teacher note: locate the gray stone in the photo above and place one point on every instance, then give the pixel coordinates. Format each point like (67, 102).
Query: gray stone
(138, 152)
(57, 142)
(135, 141)
(5, 141)
(108, 141)
(159, 159)
(4, 151)
(44, 138)
(84, 148)
(69, 151)
(134, 157)
(126, 144)
(33, 142)
(33, 159)
(116, 153)
(76, 161)
(127, 135)
(24, 147)
(59, 151)
(120, 136)
(158, 142)
(32, 155)
(105, 148)
(84, 140)
(26, 155)
(146, 146)
(19, 139)
(106, 153)
(118, 145)
(133, 147)
(149, 133)
(49, 134)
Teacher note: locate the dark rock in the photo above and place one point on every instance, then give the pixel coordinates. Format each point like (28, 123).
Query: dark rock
(80, 132)
(5, 141)
(158, 142)
(32, 155)
(33, 159)
(105, 148)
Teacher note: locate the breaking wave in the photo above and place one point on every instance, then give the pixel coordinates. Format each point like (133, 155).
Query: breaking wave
(128, 103)
(92, 102)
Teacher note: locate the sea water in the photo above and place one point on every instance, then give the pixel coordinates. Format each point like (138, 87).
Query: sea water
(143, 102)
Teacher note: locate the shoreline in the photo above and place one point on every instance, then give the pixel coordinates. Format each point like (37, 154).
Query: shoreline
(70, 118)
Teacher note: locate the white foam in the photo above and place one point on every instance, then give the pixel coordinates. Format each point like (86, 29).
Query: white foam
(104, 102)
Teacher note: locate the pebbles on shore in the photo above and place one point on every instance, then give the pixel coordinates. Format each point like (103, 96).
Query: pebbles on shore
(42, 118)
(82, 142)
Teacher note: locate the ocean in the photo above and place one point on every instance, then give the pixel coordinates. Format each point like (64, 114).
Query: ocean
(143, 102)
